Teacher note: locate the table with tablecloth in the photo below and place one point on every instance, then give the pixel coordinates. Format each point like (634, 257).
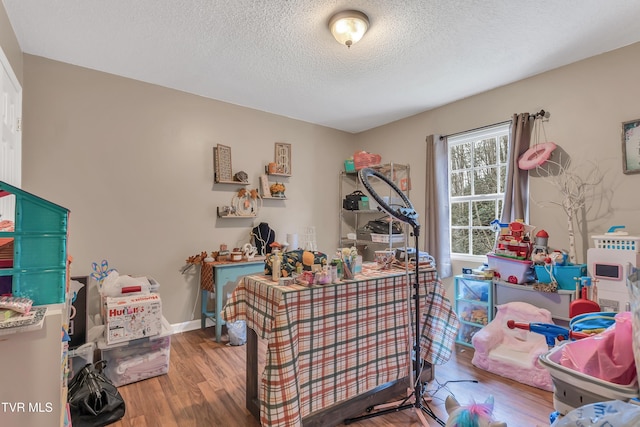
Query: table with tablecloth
(330, 343)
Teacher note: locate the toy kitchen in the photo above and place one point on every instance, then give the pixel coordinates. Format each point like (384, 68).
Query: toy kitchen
(608, 263)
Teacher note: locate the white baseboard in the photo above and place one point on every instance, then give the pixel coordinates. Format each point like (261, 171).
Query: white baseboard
(191, 325)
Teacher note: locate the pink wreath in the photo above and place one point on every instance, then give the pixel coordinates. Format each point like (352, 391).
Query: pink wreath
(536, 155)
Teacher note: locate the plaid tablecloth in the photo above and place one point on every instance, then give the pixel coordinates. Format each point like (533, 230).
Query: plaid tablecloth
(330, 343)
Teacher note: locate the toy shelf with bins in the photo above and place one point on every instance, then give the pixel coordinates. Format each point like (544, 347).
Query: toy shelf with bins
(474, 306)
(353, 221)
(34, 265)
(34, 261)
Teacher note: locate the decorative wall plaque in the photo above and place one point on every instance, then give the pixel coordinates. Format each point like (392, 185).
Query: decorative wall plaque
(283, 158)
(222, 164)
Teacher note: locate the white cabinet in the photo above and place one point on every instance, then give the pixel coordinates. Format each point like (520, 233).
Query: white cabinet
(353, 222)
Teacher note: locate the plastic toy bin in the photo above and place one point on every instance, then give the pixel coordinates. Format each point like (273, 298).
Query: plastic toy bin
(564, 274)
(137, 360)
(474, 313)
(39, 236)
(510, 270)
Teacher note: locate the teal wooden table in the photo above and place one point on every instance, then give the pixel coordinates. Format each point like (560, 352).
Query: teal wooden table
(224, 277)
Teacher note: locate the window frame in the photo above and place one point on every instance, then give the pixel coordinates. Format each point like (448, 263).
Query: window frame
(494, 131)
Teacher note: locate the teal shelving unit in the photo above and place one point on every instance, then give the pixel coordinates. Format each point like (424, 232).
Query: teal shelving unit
(39, 267)
(474, 306)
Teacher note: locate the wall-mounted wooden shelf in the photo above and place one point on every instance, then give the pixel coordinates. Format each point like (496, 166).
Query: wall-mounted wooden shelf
(232, 182)
(233, 215)
(266, 171)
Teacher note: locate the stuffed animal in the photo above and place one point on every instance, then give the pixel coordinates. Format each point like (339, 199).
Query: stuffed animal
(474, 415)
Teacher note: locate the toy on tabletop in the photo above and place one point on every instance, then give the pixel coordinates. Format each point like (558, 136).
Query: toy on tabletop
(583, 304)
(588, 283)
(249, 251)
(473, 415)
(540, 247)
(550, 331)
(514, 239)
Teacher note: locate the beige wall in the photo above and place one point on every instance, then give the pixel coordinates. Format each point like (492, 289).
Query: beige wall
(133, 163)
(587, 100)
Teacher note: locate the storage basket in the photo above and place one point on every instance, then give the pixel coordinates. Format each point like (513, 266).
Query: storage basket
(206, 276)
(572, 389)
(136, 360)
(386, 238)
(349, 166)
(618, 243)
(362, 159)
(564, 274)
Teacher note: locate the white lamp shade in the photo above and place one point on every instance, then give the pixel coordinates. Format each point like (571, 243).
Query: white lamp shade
(349, 26)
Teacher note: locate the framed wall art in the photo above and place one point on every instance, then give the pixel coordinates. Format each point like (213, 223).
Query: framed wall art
(264, 185)
(283, 158)
(222, 164)
(631, 146)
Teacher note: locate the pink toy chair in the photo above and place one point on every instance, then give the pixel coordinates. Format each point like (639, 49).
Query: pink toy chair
(513, 353)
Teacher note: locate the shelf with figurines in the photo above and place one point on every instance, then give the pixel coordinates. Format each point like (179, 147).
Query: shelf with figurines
(244, 204)
(281, 166)
(239, 178)
(273, 191)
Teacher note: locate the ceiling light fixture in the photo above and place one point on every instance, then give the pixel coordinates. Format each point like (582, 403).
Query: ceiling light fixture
(348, 26)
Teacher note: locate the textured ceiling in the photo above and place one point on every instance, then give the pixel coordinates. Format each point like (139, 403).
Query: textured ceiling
(279, 56)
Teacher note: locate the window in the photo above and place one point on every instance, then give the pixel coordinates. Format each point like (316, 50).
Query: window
(477, 170)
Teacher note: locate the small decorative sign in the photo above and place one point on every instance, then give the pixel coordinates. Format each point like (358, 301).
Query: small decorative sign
(283, 158)
(631, 146)
(222, 163)
(264, 185)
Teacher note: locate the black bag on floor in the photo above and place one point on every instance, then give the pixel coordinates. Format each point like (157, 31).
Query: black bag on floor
(93, 400)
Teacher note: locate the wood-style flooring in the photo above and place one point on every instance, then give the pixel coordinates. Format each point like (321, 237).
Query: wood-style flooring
(205, 386)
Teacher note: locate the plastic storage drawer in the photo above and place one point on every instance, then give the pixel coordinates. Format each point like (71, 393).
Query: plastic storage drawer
(137, 360)
(473, 290)
(473, 313)
(466, 332)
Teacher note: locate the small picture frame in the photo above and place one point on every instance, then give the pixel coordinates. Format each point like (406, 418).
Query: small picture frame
(283, 158)
(222, 164)
(631, 146)
(264, 185)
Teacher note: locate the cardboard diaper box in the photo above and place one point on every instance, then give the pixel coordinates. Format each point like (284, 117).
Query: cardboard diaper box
(132, 317)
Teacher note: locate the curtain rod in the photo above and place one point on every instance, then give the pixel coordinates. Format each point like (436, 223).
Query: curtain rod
(540, 113)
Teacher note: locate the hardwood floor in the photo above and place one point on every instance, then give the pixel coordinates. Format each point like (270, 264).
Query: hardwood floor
(205, 386)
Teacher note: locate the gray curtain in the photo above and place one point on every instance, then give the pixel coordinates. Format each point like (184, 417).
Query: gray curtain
(436, 224)
(516, 197)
